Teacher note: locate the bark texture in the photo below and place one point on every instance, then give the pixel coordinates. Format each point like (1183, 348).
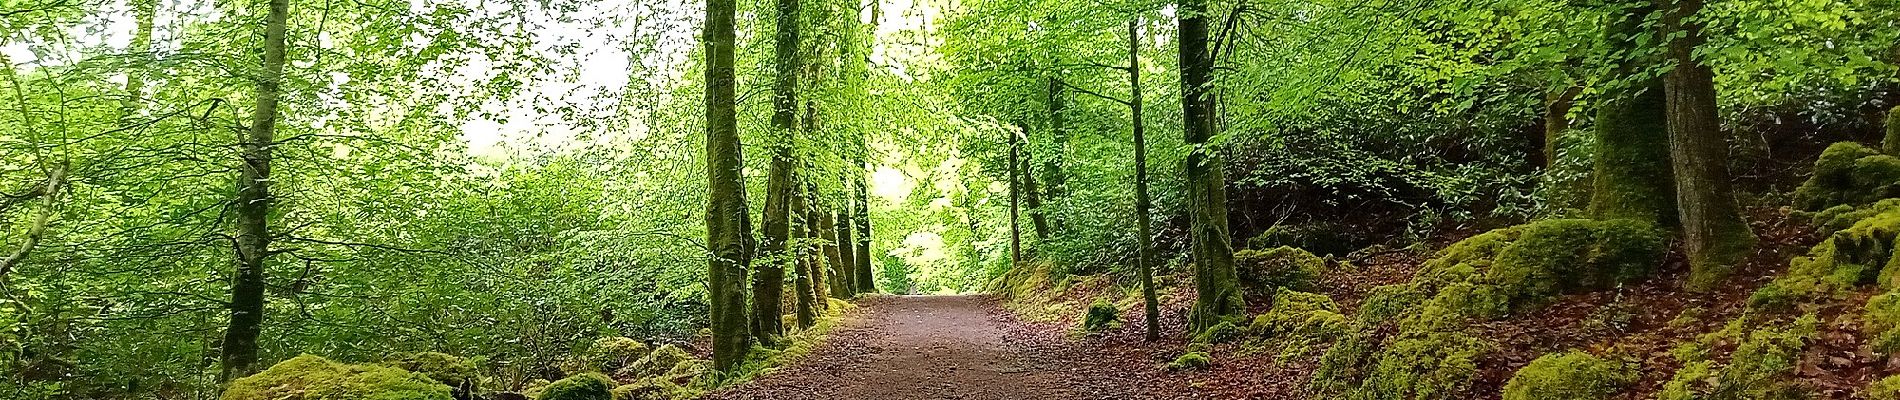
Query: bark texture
(253, 203)
(805, 285)
(727, 224)
(1633, 176)
(1713, 232)
(1144, 207)
(1216, 285)
(768, 278)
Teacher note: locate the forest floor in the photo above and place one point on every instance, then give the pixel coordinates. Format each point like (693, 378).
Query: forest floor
(968, 347)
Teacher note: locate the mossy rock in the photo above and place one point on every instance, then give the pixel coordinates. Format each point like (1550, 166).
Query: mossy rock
(459, 373)
(1885, 389)
(1429, 365)
(1569, 376)
(1101, 316)
(1862, 254)
(588, 386)
(1262, 271)
(1292, 313)
(1190, 361)
(1763, 366)
(656, 363)
(1881, 317)
(1849, 173)
(309, 377)
(1329, 239)
(1222, 332)
(1387, 302)
(1500, 272)
(607, 354)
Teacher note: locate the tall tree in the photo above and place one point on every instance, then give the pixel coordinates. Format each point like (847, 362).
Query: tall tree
(1216, 284)
(253, 204)
(768, 279)
(1713, 232)
(1556, 121)
(847, 247)
(1144, 207)
(1632, 168)
(867, 280)
(1015, 199)
(807, 282)
(727, 218)
(1032, 196)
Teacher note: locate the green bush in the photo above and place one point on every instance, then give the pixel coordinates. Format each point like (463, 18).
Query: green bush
(1101, 316)
(1569, 376)
(588, 386)
(1849, 173)
(460, 374)
(309, 377)
(1282, 267)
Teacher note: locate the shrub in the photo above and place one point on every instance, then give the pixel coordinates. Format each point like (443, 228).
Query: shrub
(1849, 173)
(588, 386)
(1190, 360)
(1101, 316)
(1281, 267)
(460, 374)
(1569, 376)
(656, 363)
(309, 377)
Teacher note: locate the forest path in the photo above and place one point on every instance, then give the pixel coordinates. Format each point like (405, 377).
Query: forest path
(918, 347)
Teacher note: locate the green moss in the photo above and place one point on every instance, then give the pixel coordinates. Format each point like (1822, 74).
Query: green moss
(1862, 254)
(1761, 367)
(1891, 143)
(1190, 360)
(1887, 388)
(1282, 267)
(653, 389)
(1631, 164)
(655, 363)
(1222, 332)
(1101, 316)
(1387, 302)
(458, 373)
(607, 354)
(1291, 312)
(1429, 365)
(1882, 315)
(588, 386)
(1569, 376)
(309, 377)
(1849, 173)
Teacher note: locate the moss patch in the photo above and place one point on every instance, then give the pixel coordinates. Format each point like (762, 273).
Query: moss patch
(607, 354)
(1190, 361)
(1885, 389)
(1569, 376)
(1102, 316)
(309, 377)
(1262, 271)
(1323, 238)
(1761, 367)
(588, 386)
(656, 362)
(1222, 332)
(460, 374)
(1891, 143)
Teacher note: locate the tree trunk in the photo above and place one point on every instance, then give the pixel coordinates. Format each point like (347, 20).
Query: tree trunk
(1556, 121)
(1217, 287)
(49, 204)
(1144, 207)
(768, 279)
(867, 277)
(1015, 201)
(840, 283)
(1891, 144)
(1632, 168)
(847, 247)
(1055, 177)
(1032, 199)
(1713, 232)
(727, 224)
(253, 202)
(815, 248)
(806, 284)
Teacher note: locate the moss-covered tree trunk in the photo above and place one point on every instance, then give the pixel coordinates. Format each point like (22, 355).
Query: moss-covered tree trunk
(1556, 121)
(253, 204)
(1713, 232)
(768, 278)
(727, 218)
(1054, 160)
(1891, 144)
(1216, 284)
(867, 280)
(1144, 207)
(838, 283)
(847, 246)
(815, 248)
(1633, 176)
(805, 284)
(1032, 199)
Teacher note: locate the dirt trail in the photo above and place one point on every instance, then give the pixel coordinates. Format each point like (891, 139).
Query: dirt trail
(916, 347)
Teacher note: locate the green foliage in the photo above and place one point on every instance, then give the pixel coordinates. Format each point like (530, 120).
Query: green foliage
(1569, 375)
(309, 377)
(1849, 174)
(1190, 361)
(1101, 316)
(587, 386)
(1281, 267)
